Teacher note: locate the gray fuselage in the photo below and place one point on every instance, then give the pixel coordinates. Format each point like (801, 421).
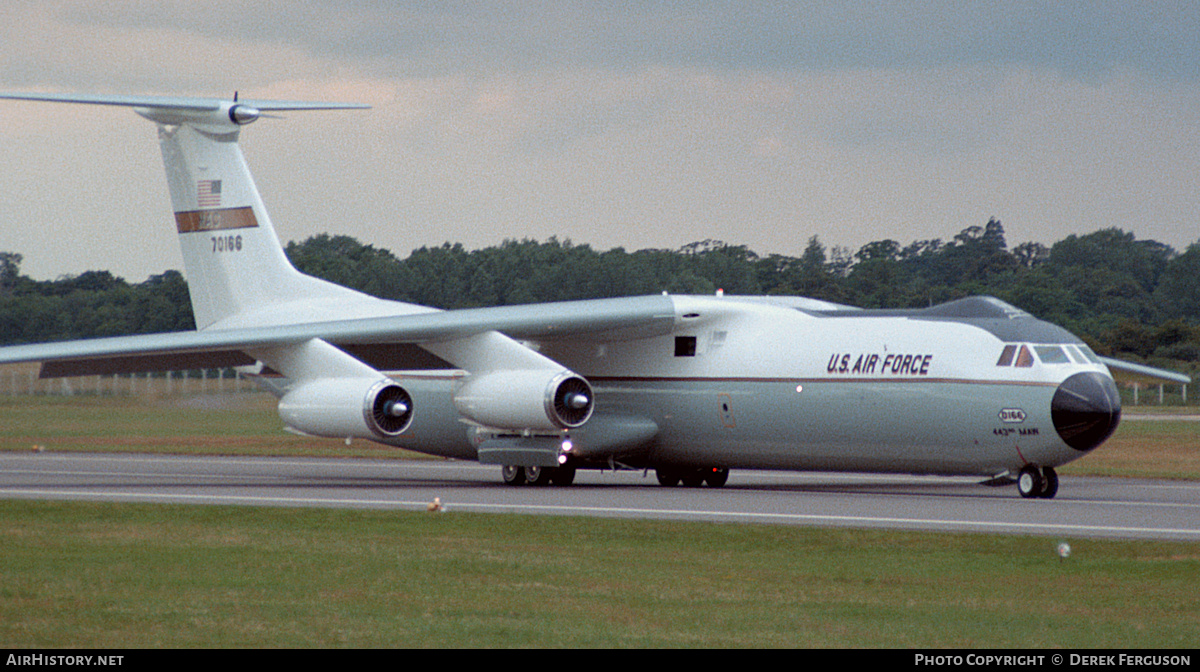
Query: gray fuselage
(971, 387)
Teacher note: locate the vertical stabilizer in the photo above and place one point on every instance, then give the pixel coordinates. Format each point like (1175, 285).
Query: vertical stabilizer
(232, 253)
(233, 257)
(234, 260)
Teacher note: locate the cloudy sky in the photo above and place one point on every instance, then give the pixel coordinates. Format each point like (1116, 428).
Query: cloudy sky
(617, 124)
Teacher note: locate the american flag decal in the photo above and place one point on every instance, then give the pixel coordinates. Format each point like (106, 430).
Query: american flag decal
(208, 193)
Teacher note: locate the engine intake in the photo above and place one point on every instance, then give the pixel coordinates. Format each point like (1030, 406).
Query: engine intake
(391, 410)
(572, 401)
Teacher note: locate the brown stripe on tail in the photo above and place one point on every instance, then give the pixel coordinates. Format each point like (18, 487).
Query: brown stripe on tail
(215, 220)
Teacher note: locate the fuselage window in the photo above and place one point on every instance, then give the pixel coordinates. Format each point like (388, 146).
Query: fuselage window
(1006, 357)
(685, 346)
(1024, 357)
(1051, 354)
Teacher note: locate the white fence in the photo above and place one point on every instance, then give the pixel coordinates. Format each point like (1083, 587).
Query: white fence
(23, 379)
(1183, 393)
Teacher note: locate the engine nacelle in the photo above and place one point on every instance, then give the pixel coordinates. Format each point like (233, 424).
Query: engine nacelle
(348, 407)
(526, 400)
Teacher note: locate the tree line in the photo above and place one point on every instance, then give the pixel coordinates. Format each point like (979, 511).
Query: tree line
(1135, 299)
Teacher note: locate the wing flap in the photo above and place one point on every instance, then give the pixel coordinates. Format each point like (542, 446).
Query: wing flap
(107, 366)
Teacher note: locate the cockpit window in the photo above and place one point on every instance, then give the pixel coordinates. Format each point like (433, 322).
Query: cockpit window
(1006, 357)
(1024, 357)
(1087, 352)
(1052, 354)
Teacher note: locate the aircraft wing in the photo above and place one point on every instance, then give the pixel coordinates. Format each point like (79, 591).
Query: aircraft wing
(599, 319)
(1128, 372)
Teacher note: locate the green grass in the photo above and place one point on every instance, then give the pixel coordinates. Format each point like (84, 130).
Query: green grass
(104, 575)
(1145, 449)
(215, 424)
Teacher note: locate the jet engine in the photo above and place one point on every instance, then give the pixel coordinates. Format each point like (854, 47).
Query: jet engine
(538, 400)
(348, 407)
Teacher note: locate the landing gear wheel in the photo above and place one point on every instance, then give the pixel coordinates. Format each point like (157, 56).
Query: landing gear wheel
(538, 475)
(1030, 483)
(693, 478)
(667, 476)
(1049, 483)
(716, 477)
(562, 476)
(512, 475)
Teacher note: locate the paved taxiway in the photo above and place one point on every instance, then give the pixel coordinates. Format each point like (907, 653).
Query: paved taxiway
(1085, 507)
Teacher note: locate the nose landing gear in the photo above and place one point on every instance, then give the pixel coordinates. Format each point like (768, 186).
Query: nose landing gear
(1033, 483)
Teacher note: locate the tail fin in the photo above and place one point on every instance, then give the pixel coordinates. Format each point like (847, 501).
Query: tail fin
(233, 257)
(236, 268)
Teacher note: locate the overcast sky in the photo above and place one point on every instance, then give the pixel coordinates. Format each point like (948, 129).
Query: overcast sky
(619, 124)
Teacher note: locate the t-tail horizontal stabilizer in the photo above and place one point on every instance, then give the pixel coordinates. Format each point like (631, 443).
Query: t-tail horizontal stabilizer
(237, 272)
(182, 104)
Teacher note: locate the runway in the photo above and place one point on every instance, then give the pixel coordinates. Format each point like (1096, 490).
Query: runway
(1085, 506)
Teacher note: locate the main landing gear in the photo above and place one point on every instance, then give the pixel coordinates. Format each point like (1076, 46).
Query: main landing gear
(514, 475)
(1040, 484)
(691, 477)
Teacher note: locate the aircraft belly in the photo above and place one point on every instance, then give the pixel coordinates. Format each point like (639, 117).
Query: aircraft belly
(919, 427)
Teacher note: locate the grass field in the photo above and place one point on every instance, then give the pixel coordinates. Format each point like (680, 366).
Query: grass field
(104, 575)
(1147, 448)
(124, 575)
(216, 424)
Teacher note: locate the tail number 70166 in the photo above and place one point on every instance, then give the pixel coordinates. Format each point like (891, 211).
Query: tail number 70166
(226, 244)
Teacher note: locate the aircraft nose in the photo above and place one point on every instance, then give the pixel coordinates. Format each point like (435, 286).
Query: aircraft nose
(1086, 409)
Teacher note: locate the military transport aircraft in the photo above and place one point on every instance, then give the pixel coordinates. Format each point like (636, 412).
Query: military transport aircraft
(690, 386)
